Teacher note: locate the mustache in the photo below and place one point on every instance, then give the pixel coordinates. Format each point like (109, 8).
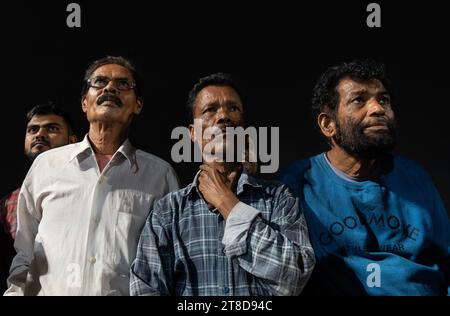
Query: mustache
(43, 141)
(380, 121)
(109, 97)
(224, 126)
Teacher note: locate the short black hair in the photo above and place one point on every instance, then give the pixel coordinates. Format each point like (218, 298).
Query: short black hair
(217, 79)
(325, 96)
(116, 60)
(50, 108)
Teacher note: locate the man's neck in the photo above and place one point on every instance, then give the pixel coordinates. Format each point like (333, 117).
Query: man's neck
(354, 167)
(225, 168)
(229, 171)
(106, 139)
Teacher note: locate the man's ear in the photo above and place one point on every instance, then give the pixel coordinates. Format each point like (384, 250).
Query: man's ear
(192, 132)
(140, 105)
(327, 124)
(73, 139)
(83, 104)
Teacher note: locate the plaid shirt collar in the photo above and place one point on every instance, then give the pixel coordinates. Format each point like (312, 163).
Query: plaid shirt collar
(244, 179)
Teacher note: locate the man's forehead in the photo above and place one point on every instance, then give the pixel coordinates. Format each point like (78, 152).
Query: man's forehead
(349, 85)
(112, 70)
(217, 93)
(46, 119)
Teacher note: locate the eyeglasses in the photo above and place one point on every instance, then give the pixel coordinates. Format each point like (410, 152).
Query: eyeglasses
(100, 82)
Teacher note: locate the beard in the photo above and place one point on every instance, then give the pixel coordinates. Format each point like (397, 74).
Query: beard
(352, 137)
(31, 156)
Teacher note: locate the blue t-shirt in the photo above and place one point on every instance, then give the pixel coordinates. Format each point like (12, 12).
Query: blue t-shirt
(385, 237)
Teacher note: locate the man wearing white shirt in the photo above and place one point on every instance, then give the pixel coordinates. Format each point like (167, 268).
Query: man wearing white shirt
(82, 206)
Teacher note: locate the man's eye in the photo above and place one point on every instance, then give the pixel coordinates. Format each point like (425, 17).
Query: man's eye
(358, 100)
(208, 110)
(234, 108)
(100, 81)
(123, 84)
(53, 129)
(32, 130)
(385, 100)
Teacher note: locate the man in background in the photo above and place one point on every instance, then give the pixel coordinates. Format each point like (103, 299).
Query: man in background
(47, 126)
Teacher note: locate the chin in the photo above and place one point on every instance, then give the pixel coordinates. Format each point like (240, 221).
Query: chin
(105, 116)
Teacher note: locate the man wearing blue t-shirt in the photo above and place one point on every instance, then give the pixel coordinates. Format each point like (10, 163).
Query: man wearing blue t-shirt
(376, 221)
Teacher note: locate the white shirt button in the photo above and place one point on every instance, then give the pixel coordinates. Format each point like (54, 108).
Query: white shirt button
(92, 260)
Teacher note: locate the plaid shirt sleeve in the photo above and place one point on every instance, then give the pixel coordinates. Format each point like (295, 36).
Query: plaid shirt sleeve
(151, 271)
(278, 253)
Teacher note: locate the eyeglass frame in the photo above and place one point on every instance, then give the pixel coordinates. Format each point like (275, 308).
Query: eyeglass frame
(89, 83)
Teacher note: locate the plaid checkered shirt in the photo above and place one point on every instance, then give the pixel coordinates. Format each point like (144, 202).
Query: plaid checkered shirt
(187, 249)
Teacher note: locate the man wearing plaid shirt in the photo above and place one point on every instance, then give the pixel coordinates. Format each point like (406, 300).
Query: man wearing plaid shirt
(227, 233)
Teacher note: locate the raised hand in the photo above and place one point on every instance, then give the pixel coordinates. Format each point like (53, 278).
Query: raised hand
(216, 188)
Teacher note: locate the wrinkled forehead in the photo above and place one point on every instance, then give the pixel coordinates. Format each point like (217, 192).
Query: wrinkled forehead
(217, 94)
(113, 71)
(349, 85)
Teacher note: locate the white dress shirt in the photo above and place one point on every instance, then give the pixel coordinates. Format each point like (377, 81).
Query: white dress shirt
(78, 229)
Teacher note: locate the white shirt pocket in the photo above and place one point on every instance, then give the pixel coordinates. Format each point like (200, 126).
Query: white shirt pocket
(133, 211)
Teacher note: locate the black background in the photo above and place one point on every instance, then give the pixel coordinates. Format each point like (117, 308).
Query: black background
(275, 49)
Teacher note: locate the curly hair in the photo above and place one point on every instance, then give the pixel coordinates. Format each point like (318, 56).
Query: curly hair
(325, 96)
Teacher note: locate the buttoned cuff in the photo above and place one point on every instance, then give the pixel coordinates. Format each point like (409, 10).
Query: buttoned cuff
(236, 229)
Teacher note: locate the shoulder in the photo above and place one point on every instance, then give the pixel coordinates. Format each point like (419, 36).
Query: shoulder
(167, 207)
(293, 174)
(273, 188)
(63, 151)
(55, 157)
(153, 161)
(410, 168)
(409, 177)
(298, 168)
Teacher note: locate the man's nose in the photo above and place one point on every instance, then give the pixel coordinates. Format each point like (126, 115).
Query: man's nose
(110, 87)
(375, 108)
(223, 116)
(41, 133)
